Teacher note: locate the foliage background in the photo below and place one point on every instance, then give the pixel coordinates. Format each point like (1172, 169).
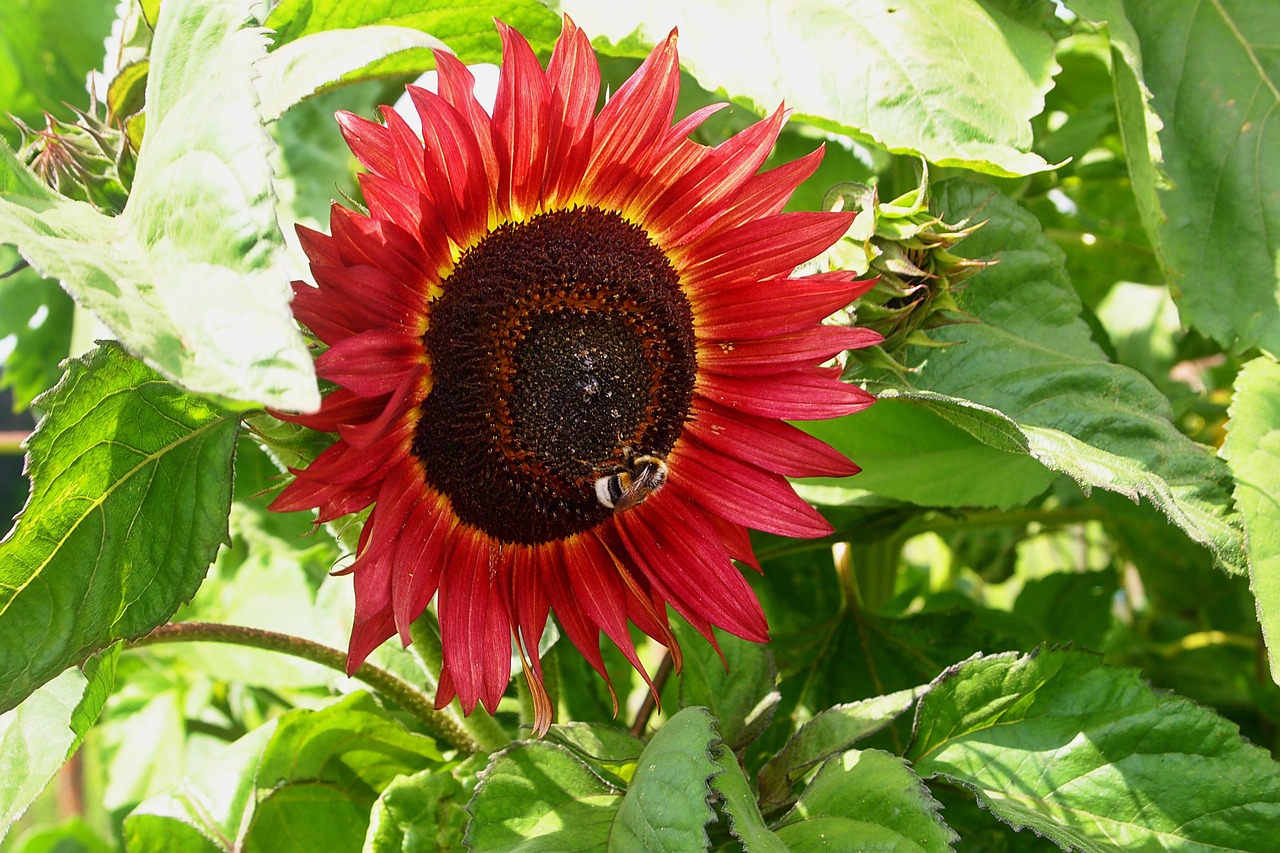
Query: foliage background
(1091, 461)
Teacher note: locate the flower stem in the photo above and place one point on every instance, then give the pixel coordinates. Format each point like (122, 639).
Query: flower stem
(390, 686)
(11, 442)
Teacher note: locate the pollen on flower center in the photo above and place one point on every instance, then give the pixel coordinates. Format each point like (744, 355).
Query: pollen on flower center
(559, 345)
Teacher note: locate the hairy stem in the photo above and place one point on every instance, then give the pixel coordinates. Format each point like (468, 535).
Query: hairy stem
(385, 683)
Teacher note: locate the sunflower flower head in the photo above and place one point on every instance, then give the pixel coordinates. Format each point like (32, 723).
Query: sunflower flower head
(566, 342)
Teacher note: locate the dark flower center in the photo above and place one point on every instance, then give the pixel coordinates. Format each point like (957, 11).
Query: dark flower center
(561, 347)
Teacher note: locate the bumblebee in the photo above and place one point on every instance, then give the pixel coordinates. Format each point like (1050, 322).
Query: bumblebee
(640, 477)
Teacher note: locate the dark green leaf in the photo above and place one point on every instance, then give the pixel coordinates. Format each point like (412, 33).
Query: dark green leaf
(1069, 607)
(829, 732)
(740, 691)
(1092, 758)
(863, 68)
(666, 807)
(130, 494)
(739, 803)
(607, 748)
(537, 796)
(866, 800)
(1253, 451)
(189, 276)
(422, 813)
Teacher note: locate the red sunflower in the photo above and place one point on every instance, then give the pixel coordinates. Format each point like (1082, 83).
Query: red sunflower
(565, 343)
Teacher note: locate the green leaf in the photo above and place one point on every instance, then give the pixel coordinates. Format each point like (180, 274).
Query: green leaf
(739, 690)
(305, 781)
(894, 810)
(935, 466)
(298, 69)
(189, 276)
(467, 28)
(46, 49)
(214, 803)
(829, 732)
(39, 735)
(606, 747)
(537, 796)
(1092, 758)
(130, 489)
(1030, 362)
(745, 821)
(38, 314)
(422, 813)
(1253, 451)
(957, 82)
(1215, 83)
(666, 803)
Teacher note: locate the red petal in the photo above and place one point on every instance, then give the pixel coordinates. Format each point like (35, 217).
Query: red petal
(574, 77)
(760, 249)
(766, 308)
(768, 443)
(743, 493)
(422, 549)
(521, 115)
(804, 348)
(679, 551)
(804, 395)
(633, 121)
(371, 363)
(475, 629)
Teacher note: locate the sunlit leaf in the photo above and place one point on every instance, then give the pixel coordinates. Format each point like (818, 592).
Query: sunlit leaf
(130, 493)
(540, 796)
(1089, 756)
(829, 732)
(865, 800)
(188, 275)
(1214, 82)
(40, 734)
(1253, 451)
(956, 82)
(1030, 362)
(422, 813)
(466, 28)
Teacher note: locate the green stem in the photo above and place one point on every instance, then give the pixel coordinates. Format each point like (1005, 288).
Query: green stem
(480, 727)
(11, 442)
(390, 686)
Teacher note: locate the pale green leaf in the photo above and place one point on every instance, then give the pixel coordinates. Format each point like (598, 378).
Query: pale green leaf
(955, 82)
(40, 734)
(299, 68)
(214, 802)
(1253, 452)
(866, 800)
(188, 276)
(129, 499)
(1089, 756)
